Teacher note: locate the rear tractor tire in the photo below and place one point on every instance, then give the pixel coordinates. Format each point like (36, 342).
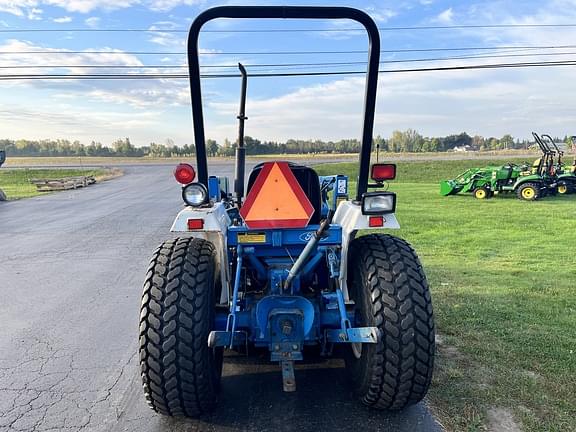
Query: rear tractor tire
(180, 373)
(528, 192)
(388, 285)
(483, 193)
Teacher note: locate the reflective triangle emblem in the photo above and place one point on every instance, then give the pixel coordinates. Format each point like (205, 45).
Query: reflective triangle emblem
(276, 200)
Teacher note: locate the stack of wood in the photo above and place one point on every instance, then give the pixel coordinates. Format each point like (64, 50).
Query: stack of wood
(44, 185)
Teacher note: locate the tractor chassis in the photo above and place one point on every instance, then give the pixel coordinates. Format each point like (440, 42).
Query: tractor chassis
(282, 269)
(286, 320)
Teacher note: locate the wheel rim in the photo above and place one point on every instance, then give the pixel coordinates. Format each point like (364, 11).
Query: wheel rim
(528, 193)
(480, 194)
(562, 189)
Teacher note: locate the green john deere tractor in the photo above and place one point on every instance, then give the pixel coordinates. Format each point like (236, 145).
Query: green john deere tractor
(565, 176)
(528, 183)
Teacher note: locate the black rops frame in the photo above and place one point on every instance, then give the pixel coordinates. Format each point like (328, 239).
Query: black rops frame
(290, 12)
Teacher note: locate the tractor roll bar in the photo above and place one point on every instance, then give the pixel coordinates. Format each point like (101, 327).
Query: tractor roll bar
(543, 146)
(558, 151)
(290, 12)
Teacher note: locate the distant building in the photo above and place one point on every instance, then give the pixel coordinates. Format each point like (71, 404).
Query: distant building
(465, 148)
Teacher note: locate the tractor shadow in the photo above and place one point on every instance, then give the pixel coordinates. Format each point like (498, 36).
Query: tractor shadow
(252, 400)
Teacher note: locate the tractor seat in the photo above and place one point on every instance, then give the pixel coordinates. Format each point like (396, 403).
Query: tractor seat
(308, 180)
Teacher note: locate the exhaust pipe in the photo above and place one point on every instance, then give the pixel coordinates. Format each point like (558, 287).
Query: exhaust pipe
(240, 149)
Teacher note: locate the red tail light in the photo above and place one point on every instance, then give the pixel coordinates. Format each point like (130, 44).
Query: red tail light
(381, 172)
(195, 224)
(184, 173)
(375, 221)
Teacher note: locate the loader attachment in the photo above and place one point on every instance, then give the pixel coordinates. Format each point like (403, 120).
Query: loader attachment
(449, 187)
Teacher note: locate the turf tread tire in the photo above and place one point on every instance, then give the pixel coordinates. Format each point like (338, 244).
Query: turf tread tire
(388, 284)
(180, 373)
(487, 193)
(538, 193)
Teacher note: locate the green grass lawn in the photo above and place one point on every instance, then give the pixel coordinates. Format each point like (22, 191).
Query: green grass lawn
(503, 279)
(16, 182)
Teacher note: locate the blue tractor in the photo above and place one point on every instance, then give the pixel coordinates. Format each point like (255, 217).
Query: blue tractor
(281, 268)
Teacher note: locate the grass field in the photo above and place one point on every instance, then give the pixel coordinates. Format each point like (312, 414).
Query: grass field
(503, 279)
(110, 161)
(85, 161)
(91, 161)
(16, 182)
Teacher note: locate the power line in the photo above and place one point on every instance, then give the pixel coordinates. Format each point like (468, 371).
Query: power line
(397, 51)
(392, 28)
(269, 75)
(282, 65)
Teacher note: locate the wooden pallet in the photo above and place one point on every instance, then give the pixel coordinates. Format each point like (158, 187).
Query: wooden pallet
(44, 185)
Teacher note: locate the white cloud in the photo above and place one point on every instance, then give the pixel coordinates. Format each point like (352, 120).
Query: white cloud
(106, 56)
(165, 5)
(86, 6)
(486, 102)
(130, 93)
(337, 29)
(62, 20)
(92, 22)
(445, 17)
(489, 102)
(34, 14)
(71, 122)
(152, 94)
(18, 8)
(382, 15)
(166, 39)
(24, 7)
(164, 25)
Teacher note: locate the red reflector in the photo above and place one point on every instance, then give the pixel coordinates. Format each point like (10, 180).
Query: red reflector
(195, 224)
(184, 173)
(381, 172)
(375, 221)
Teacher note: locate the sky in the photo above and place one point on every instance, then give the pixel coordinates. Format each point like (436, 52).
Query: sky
(487, 102)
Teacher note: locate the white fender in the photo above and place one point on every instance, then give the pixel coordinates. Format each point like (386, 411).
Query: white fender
(349, 216)
(216, 222)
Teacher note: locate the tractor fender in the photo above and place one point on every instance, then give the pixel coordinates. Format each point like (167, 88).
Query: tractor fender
(349, 216)
(216, 222)
(528, 179)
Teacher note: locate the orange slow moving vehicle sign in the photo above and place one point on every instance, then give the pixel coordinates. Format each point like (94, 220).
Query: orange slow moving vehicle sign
(276, 200)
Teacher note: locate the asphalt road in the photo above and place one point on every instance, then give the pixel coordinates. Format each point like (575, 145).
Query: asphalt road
(71, 269)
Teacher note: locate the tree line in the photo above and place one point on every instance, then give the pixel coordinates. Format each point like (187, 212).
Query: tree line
(400, 141)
